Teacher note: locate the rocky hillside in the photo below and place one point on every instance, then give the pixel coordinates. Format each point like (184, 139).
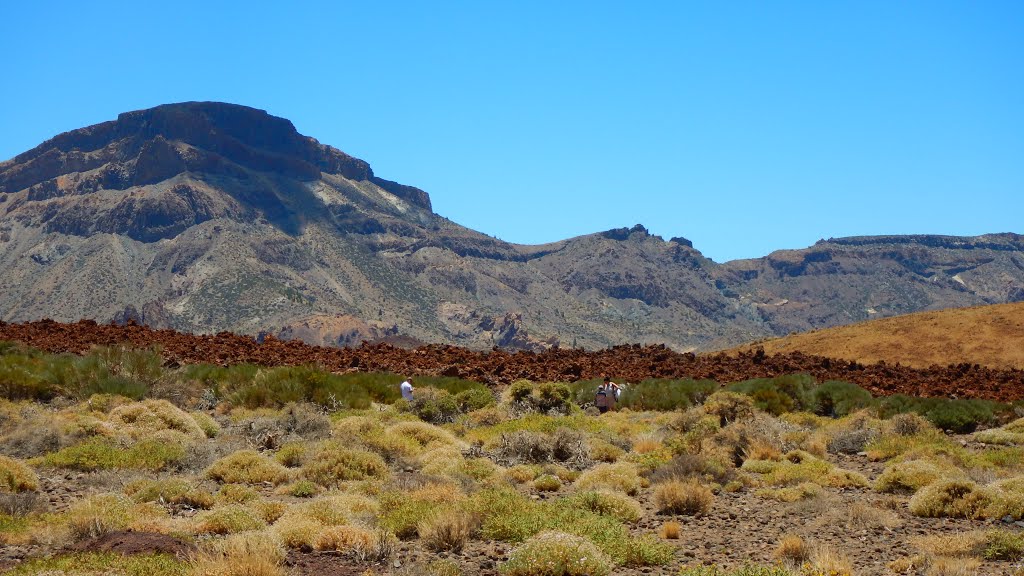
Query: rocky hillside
(205, 217)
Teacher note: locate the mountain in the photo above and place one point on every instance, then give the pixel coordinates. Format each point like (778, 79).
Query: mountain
(985, 335)
(206, 217)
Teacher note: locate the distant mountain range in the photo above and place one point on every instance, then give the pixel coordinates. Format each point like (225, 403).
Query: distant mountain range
(206, 217)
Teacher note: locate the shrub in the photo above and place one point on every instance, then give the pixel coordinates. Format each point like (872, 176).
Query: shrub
(729, 407)
(236, 494)
(951, 498)
(448, 531)
(349, 539)
(557, 554)
(303, 489)
(16, 477)
(244, 554)
(670, 530)
(683, 497)
(660, 394)
(207, 424)
(620, 477)
(912, 475)
(247, 467)
(836, 398)
(962, 416)
(402, 513)
(228, 519)
(827, 561)
(647, 551)
(334, 463)
(802, 491)
(614, 504)
(434, 406)
(292, 454)
(525, 446)
(101, 453)
(908, 424)
(793, 549)
(297, 531)
(546, 398)
(97, 515)
(148, 416)
(423, 434)
(474, 399)
(603, 451)
(1004, 545)
(547, 483)
(110, 563)
(170, 490)
(788, 393)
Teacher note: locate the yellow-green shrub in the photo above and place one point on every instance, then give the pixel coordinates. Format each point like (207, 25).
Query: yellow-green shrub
(142, 418)
(557, 554)
(951, 498)
(228, 519)
(620, 477)
(683, 497)
(913, 475)
(247, 467)
(16, 477)
(333, 463)
(614, 504)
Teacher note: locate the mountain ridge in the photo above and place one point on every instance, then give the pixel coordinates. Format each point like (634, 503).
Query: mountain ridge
(206, 216)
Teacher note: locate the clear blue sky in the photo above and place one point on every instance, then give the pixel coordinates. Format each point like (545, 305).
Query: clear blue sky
(745, 127)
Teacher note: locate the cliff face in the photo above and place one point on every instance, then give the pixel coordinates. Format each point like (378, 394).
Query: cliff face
(207, 216)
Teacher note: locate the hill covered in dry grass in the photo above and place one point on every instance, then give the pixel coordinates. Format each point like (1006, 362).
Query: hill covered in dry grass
(988, 335)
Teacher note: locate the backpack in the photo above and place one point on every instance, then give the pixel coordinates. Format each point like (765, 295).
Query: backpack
(601, 399)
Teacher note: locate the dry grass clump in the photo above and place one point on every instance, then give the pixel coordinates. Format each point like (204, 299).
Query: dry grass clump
(793, 549)
(951, 498)
(349, 539)
(604, 503)
(670, 530)
(522, 473)
(945, 566)
(97, 515)
(802, 491)
(911, 476)
(206, 423)
(236, 494)
(16, 477)
(297, 531)
(245, 554)
(547, 483)
(619, 477)
(959, 545)
(179, 491)
(247, 467)
(140, 419)
(404, 512)
(333, 463)
(861, 516)
(687, 497)
(229, 519)
(799, 466)
(604, 451)
(828, 561)
(448, 531)
(292, 454)
(909, 424)
(426, 435)
(557, 554)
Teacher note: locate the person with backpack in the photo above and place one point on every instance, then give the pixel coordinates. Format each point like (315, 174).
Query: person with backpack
(607, 395)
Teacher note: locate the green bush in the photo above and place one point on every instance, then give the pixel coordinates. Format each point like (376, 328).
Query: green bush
(789, 393)
(546, 397)
(100, 453)
(961, 416)
(434, 405)
(664, 394)
(836, 398)
(557, 554)
(474, 399)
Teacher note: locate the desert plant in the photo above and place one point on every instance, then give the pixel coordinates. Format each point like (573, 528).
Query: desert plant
(228, 519)
(333, 463)
(247, 467)
(912, 475)
(620, 477)
(448, 531)
(683, 497)
(547, 483)
(793, 549)
(951, 498)
(671, 530)
(836, 398)
(728, 406)
(16, 477)
(614, 504)
(557, 554)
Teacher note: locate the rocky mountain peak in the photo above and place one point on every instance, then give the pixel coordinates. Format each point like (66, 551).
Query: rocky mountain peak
(149, 146)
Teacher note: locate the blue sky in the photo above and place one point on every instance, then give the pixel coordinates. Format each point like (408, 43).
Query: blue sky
(743, 126)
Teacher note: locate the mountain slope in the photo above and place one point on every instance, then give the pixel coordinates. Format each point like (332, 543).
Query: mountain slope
(987, 335)
(206, 216)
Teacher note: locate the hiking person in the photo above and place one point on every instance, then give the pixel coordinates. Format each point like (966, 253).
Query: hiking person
(406, 388)
(607, 395)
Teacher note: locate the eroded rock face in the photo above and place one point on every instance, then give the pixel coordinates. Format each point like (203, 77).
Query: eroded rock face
(245, 152)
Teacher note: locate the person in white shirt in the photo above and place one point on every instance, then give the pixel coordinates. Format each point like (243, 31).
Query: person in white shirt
(407, 389)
